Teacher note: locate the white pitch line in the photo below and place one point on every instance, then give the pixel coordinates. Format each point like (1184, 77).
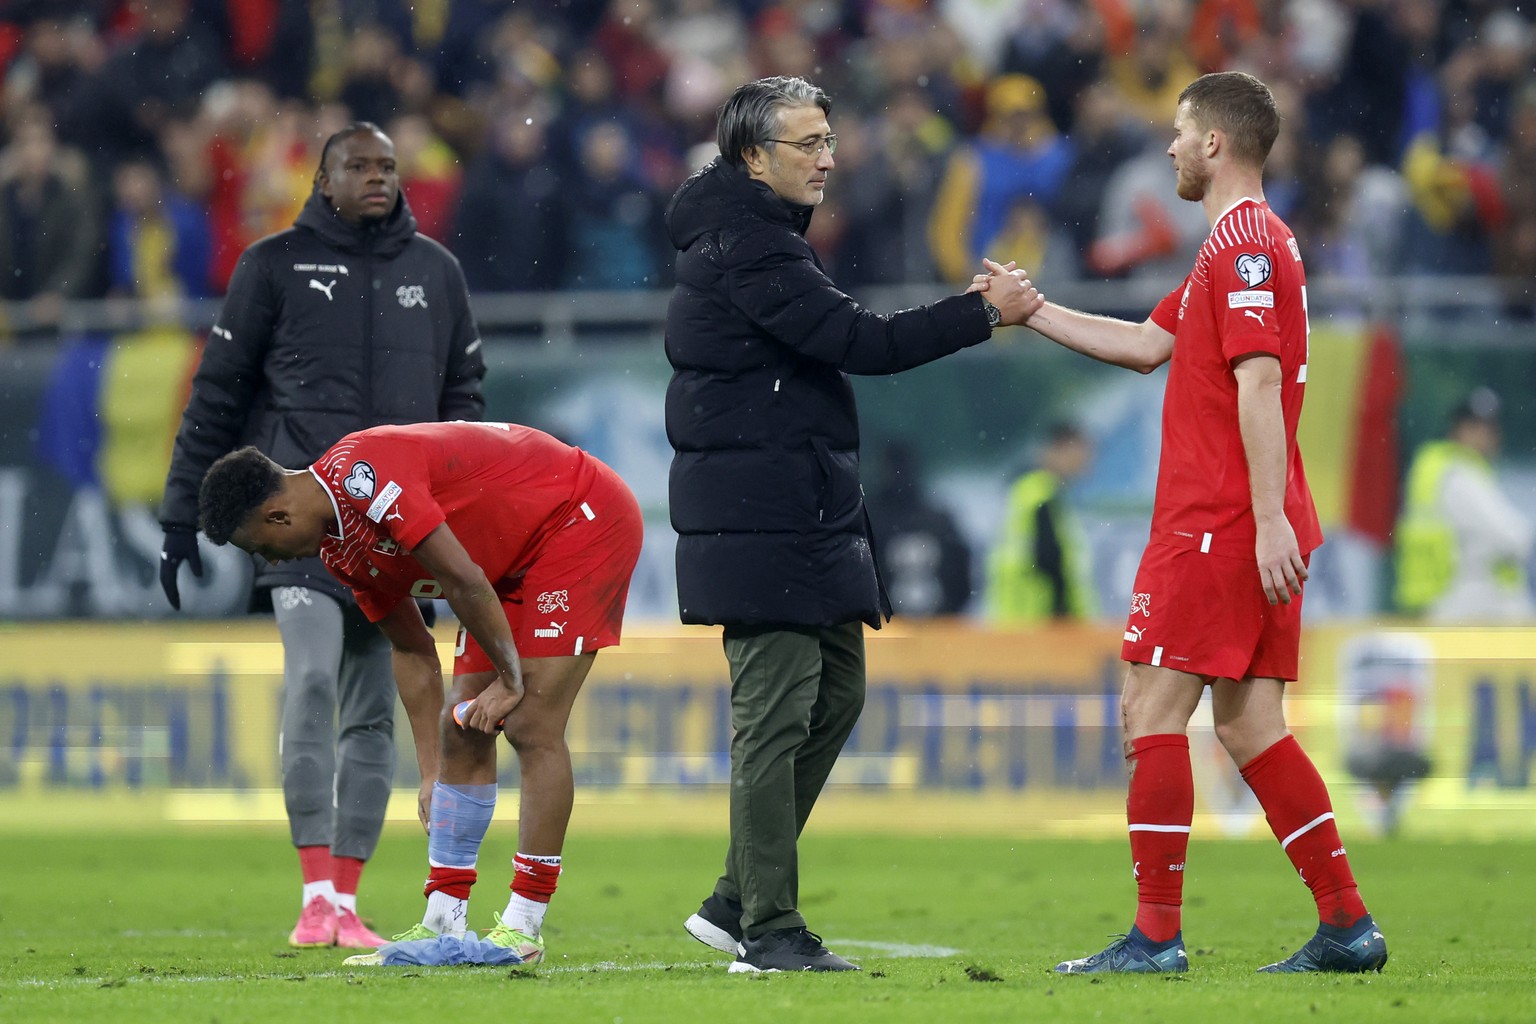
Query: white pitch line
(898, 950)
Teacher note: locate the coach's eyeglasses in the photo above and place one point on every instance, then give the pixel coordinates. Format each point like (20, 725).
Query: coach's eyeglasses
(812, 147)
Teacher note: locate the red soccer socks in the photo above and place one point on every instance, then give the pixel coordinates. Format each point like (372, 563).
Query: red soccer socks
(1159, 806)
(1295, 801)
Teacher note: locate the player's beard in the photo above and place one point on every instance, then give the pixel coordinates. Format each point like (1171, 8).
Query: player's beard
(1191, 184)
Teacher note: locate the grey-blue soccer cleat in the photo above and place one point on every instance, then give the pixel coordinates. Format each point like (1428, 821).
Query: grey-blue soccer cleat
(1132, 953)
(1352, 950)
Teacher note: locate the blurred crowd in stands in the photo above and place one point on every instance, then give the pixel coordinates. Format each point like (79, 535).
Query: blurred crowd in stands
(147, 142)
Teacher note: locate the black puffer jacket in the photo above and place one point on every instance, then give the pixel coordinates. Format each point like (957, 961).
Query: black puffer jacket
(328, 328)
(765, 492)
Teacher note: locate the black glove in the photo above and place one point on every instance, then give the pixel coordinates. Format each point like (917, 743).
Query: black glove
(180, 546)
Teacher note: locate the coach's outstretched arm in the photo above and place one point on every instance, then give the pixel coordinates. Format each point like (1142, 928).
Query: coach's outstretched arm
(474, 601)
(1141, 347)
(419, 678)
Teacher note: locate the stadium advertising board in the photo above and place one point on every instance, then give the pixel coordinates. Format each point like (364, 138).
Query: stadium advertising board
(974, 722)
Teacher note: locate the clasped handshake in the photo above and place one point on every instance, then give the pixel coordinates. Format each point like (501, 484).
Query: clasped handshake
(1010, 290)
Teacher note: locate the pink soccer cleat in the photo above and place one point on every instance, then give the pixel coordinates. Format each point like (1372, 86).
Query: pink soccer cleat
(351, 933)
(317, 925)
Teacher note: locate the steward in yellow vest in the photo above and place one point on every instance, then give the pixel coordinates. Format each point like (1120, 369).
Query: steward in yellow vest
(1041, 568)
(1460, 545)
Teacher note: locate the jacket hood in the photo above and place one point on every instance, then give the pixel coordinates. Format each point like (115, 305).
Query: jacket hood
(385, 239)
(719, 193)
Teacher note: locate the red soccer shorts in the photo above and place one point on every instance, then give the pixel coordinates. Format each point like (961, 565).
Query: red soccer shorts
(571, 598)
(1206, 614)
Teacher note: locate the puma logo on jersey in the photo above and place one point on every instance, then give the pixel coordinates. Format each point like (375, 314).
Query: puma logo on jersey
(554, 632)
(317, 286)
(1256, 314)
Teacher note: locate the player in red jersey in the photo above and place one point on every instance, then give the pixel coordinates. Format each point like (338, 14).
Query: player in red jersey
(532, 543)
(1232, 502)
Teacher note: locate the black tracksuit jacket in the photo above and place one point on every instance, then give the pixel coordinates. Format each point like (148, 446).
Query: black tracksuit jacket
(327, 329)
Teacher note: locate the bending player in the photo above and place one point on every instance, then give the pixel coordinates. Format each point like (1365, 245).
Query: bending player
(1232, 504)
(532, 543)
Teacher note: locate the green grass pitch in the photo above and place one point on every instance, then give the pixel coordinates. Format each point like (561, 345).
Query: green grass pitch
(168, 925)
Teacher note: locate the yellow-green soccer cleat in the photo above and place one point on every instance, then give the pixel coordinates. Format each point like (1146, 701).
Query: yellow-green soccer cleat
(374, 957)
(529, 947)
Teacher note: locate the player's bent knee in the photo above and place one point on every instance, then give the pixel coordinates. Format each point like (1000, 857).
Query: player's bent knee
(530, 735)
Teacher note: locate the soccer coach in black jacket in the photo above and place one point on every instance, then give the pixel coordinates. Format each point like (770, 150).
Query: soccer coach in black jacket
(773, 541)
(349, 319)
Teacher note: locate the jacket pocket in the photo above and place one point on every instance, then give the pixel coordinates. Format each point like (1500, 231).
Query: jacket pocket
(837, 499)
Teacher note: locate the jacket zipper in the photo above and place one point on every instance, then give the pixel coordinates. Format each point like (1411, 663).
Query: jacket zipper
(372, 286)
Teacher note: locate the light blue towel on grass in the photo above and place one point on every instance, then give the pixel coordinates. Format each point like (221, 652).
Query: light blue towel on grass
(448, 951)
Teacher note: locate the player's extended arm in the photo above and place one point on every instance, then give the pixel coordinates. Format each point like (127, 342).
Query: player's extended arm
(1141, 347)
(474, 601)
(419, 677)
(1261, 420)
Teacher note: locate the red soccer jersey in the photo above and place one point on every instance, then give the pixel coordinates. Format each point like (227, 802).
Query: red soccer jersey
(1247, 294)
(502, 489)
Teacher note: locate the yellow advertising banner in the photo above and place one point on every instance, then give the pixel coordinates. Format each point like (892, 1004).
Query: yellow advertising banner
(965, 729)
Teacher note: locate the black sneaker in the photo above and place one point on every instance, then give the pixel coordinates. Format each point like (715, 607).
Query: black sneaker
(717, 924)
(787, 949)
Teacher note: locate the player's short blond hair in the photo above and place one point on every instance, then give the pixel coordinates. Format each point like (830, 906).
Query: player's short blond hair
(1238, 105)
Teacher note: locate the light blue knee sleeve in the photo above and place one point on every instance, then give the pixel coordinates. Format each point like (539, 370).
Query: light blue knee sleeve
(460, 817)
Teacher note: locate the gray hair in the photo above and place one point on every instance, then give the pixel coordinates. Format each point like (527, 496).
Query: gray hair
(754, 113)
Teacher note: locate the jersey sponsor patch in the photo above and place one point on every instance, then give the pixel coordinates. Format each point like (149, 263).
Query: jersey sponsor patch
(1254, 268)
(385, 499)
(359, 482)
(1237, 300)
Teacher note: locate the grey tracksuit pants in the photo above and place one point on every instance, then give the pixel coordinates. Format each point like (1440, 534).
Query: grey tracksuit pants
(337, 743)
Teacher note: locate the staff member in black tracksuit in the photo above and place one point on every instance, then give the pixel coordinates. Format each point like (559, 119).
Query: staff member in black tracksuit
(347, 320)
(773, 541)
